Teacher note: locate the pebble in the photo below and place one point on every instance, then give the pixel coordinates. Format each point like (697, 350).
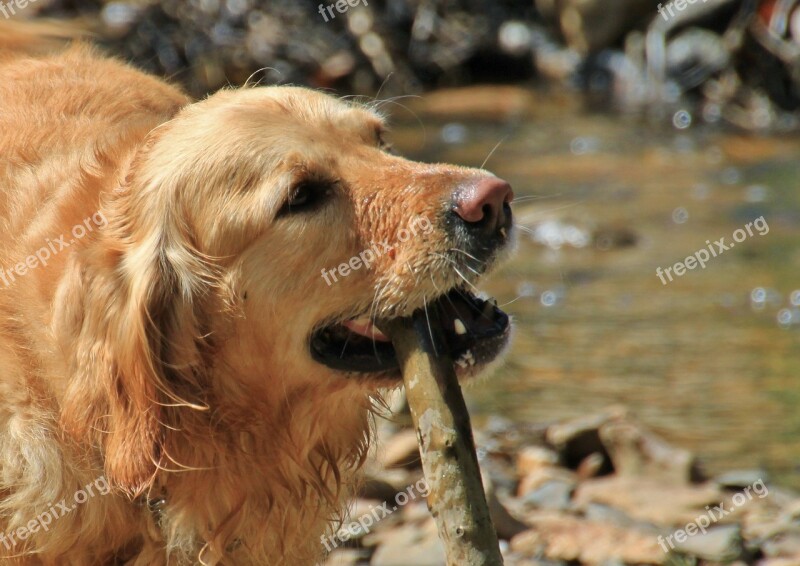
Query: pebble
(532, 458)
(409, 546)
(401, 451)
(740, 479)
(550, 495)
(718, 544)
(548, 512)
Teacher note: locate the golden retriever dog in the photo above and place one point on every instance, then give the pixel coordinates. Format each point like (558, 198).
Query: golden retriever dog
(189, 352)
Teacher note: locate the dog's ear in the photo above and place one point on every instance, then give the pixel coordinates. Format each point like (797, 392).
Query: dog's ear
(130, 317)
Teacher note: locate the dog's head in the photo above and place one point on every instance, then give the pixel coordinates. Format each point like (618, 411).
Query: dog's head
(321, 230)
(260, 234)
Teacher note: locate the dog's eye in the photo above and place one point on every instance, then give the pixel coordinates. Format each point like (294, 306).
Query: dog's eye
(383, 145)
(306, 196)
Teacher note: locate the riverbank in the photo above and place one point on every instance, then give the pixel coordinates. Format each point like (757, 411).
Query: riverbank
(721, 61)
(598, 490)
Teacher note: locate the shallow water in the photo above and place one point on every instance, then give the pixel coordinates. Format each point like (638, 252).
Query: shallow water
(710, 360)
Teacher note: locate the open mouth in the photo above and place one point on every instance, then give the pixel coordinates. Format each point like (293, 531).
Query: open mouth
(475, 330)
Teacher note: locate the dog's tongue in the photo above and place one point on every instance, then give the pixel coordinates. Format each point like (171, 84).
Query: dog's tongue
(364, 327)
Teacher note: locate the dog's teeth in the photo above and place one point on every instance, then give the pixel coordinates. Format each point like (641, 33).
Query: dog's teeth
(470, 359)
(503, 232)
(459, 327)
(465, 360)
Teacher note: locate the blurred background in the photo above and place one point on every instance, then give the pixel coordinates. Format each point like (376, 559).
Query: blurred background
(632, 132)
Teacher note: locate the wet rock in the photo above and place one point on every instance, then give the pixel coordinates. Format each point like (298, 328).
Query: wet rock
(503, 437)
(562, 537)
(578, 438)
(550, 495)
(410, 545)
(533, 458)
(505, 524)
(400, 451)
(635, 451)
(606, 514)
(740, 479)
(648, 499)
(385, 484)
(416, 512)
(590, 466)
(785, 498)
(585, 23)
(498, 469)
(791, 510)
(718, 544)
(548, 514)
(514, 559)
(630, 447)
(540, 477)
(783, 545)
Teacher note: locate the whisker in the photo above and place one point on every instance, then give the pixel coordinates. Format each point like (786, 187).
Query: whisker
(469, 255)
(534, 197)
(430, 328)
(344, 347)
(467, 281)
(376, 106)
(383, 84)
(394, 99)
(533, 213)
(488, 157)
(454, 262)
(470, 303)
(449, 300)
(512, 301)
(258, 83)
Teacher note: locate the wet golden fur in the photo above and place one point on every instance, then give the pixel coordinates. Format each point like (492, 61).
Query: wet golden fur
(167, 349)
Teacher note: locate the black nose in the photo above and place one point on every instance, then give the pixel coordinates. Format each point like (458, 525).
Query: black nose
(485, 204)
(481, 216)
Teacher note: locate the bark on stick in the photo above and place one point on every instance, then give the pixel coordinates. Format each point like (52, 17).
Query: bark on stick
(457, 500)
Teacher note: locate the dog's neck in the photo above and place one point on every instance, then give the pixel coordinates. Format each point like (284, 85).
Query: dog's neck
(268, 485)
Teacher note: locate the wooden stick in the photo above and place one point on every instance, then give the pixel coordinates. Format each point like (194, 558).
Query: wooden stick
(456, 499)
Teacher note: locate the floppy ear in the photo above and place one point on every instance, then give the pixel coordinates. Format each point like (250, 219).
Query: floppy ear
(130, 314)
